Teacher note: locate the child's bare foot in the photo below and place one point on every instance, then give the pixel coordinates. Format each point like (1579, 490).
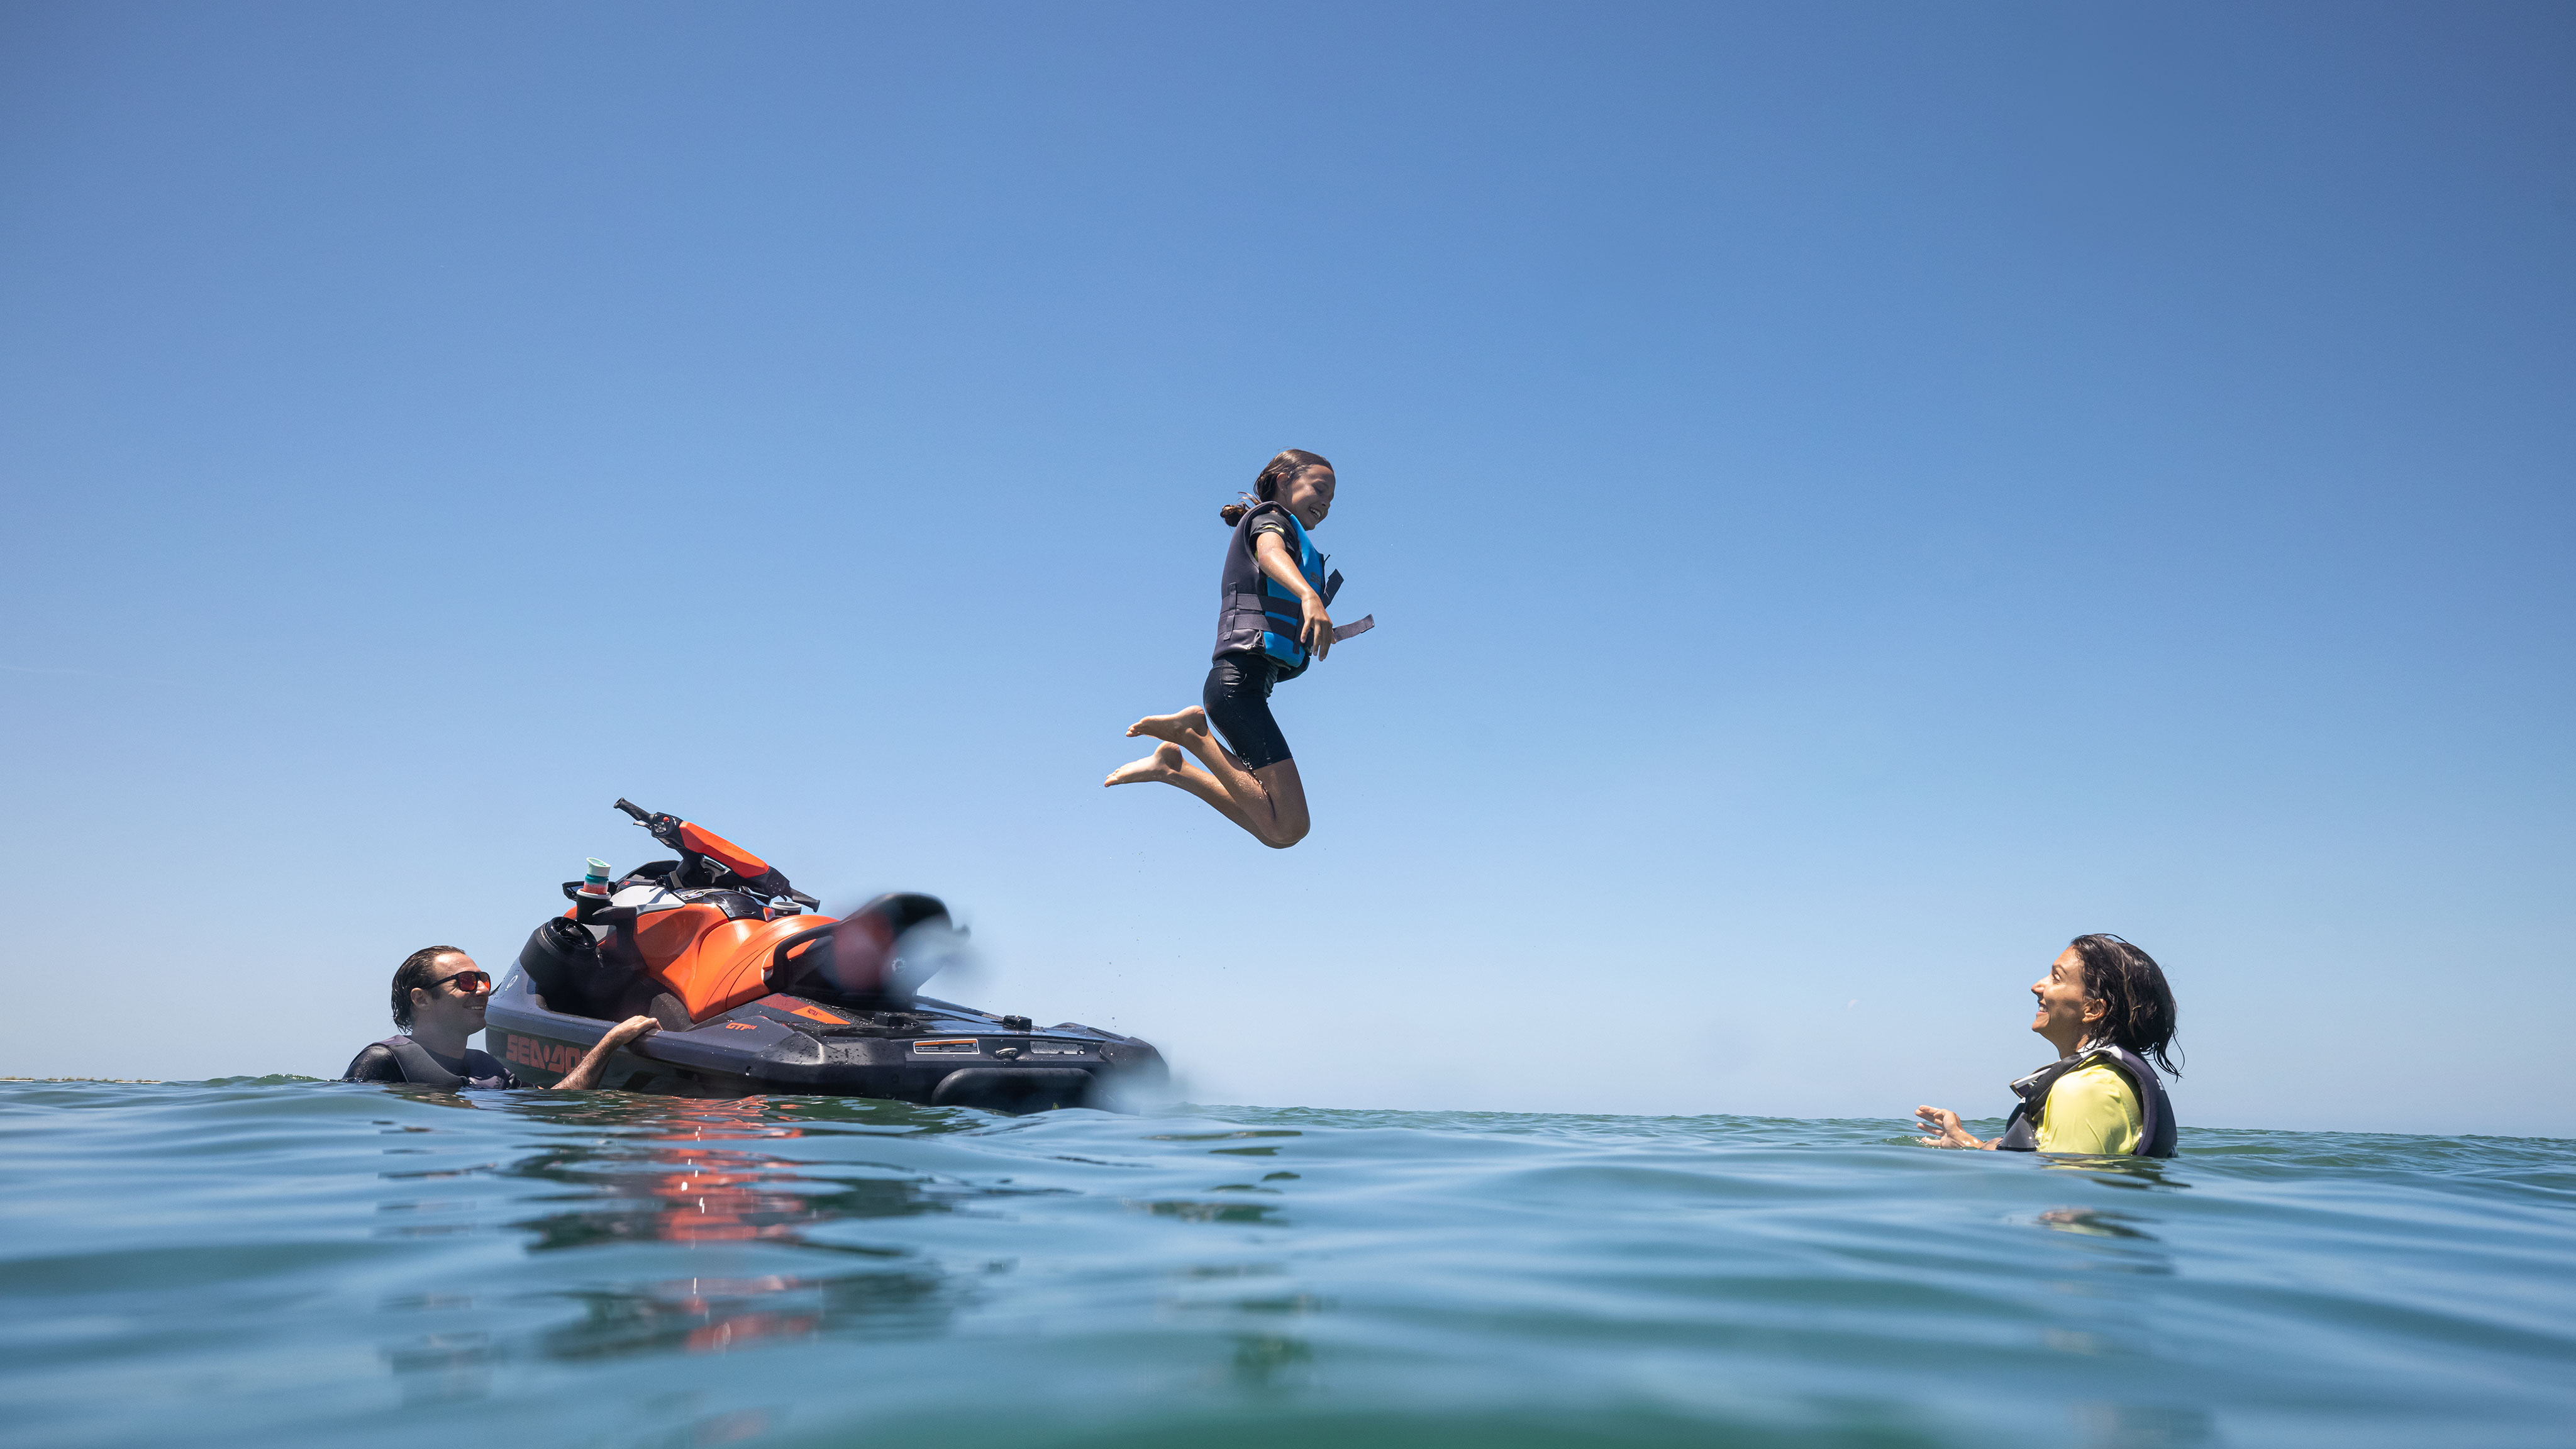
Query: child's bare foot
(1164, 764)
(1191, 721)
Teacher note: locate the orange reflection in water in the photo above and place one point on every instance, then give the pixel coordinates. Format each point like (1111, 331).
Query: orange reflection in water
(716, 1194)
(705, 1170)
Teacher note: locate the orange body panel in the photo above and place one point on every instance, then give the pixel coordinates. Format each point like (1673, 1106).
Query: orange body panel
(714, 965)
(733, 857)
(665, 937)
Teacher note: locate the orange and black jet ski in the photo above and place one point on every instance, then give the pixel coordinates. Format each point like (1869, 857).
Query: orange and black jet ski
(756, 993)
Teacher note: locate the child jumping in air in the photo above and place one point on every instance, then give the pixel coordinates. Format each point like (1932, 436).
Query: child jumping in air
(1270, 624)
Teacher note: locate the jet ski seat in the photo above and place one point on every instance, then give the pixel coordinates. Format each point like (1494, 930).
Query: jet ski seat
(571, 976)
(687, 956)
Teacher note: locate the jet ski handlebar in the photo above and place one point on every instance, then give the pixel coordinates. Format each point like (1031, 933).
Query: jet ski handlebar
(664, 828)
(705, 850)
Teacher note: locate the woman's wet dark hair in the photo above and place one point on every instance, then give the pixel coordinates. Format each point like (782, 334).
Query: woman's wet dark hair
(2138, 1007)
(420, 968)
(1278, 470)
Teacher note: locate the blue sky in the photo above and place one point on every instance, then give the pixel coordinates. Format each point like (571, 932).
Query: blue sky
(1852, 495)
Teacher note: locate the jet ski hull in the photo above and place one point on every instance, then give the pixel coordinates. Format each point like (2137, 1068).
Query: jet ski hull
(932, 1052)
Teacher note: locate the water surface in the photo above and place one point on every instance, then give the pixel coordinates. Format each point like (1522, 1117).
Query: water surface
(285, 1263)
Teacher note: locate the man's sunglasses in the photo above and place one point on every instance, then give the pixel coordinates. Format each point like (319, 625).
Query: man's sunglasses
(472, 983)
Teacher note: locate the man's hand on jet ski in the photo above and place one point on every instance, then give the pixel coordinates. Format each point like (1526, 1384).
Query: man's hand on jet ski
(586, 1075)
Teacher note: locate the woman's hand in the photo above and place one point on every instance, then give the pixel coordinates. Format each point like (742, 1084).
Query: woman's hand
(1945, 1123)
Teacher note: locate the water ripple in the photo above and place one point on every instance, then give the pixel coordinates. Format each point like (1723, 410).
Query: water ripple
(304, 1263)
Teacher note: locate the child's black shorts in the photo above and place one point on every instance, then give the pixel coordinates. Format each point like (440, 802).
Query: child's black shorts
(1237, 697)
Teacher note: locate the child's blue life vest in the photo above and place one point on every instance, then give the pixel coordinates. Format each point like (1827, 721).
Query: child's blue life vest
(1256, 614)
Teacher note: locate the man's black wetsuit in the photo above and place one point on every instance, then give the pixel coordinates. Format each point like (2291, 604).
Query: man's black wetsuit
(383, 1061)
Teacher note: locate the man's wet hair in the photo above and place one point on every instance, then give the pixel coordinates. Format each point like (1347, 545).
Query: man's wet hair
(2138, 1007)
(420, 968)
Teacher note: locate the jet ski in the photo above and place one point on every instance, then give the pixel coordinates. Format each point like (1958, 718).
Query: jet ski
(757, 992)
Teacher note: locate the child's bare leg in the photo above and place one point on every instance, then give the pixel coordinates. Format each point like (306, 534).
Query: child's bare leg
(1286, 795)
(1269, 802)
(1189, 729)
(1169, 766)
(1171, 726)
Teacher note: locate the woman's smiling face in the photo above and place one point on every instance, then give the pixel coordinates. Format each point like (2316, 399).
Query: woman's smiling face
(2066, 1015)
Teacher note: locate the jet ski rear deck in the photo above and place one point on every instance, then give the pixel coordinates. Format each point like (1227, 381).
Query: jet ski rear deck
(933, 1052)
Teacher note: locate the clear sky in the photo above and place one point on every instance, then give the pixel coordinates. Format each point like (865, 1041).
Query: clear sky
(1852, 496)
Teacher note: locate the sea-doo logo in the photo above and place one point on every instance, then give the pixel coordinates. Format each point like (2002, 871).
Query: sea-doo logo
(527, 1051)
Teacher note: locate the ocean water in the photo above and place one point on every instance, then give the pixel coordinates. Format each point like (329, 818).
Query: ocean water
(281, 1262)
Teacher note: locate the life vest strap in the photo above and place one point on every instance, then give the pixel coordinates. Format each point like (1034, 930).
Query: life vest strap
(420, 1067)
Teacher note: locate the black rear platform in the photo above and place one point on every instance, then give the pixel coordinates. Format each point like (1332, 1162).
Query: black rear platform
(932, 1052)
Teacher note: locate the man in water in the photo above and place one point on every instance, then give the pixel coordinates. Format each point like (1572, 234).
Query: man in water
(439, 999)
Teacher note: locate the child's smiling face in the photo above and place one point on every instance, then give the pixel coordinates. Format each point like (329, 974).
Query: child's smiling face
(1309, 494)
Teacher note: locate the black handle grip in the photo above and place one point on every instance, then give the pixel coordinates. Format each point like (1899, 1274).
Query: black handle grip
(642, 815)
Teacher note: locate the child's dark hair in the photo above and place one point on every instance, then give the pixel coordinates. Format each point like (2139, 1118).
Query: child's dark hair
(2138, 1007)
(1288, 464)
(418, 969)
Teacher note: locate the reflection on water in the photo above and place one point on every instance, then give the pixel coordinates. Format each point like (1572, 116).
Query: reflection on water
(1192, 1210)
(710, 1315)
(712, 1172)
(2093, 1222)
(2144, 1426)
(1272, 1363)
(2130, 1172)
(443, 1366)
(682, 1180)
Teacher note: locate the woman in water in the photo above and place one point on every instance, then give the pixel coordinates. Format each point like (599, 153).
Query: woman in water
(1270, 624)
(2104, 1005)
